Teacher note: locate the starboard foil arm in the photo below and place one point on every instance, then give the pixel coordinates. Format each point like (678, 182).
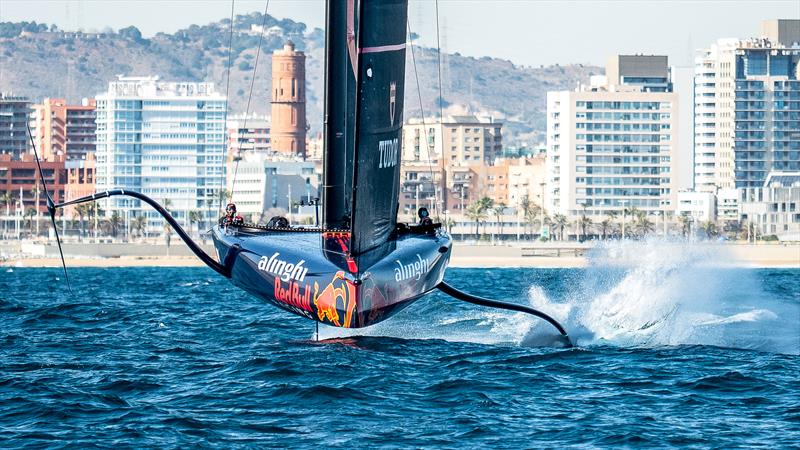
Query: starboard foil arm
(474, 299)
(202, 255)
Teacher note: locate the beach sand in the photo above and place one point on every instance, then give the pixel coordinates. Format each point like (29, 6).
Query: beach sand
(464, 255)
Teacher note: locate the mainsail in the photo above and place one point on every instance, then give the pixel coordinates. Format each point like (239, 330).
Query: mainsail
(379, 122)
(364, 78)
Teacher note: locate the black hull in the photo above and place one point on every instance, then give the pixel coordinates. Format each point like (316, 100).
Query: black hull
(310, 273)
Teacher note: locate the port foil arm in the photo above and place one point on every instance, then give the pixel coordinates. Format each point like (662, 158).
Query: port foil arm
(202, 255)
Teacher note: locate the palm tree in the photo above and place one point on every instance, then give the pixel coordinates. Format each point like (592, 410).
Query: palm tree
(478, 214)
(710, 228)
(114, 223)
(628, 211)
(167, 234)
(30, 213)
(223, 196)
(525, 205)
(605, 226)
(686, 224)
(560, 222)
(498, 212)
(82, 211)
(584, 223)
(166, 203)
(195, 216)
(138, 225)
(96, 211)
(643, 225)
(7, 199)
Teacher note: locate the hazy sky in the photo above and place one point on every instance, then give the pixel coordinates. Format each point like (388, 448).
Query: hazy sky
(530, 32)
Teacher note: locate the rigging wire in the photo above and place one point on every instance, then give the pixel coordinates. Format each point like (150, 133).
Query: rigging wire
(441, 99)
(428, 142)
(249, 96)
(227, 86)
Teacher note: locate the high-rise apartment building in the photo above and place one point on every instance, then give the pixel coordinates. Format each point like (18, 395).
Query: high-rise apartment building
(166, 140)
(614, 144)
(64, 130)
(289, 101)
(747, 108)
(14, 115)
(461, 139)
(248, 134)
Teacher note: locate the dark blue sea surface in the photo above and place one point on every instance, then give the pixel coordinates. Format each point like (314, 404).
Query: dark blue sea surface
(174, 357)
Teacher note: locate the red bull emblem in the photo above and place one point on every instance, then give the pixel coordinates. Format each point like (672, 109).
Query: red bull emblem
(339, 295)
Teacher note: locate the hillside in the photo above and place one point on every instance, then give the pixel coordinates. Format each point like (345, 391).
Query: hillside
(40, 61)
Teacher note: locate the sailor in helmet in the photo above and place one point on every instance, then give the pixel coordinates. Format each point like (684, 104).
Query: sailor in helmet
(231, 218)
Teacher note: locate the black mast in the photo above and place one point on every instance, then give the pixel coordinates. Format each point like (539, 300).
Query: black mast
(341, 30)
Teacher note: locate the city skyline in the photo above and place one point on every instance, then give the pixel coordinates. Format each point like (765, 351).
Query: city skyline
(676, 28)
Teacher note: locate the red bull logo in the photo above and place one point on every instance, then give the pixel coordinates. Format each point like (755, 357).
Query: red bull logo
(340, 295)
(293, 295)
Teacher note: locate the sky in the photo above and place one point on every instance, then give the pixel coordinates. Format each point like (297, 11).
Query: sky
(527, 32)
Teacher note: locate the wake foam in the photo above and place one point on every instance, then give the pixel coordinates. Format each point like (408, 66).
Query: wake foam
(632, 294)
(666, 293)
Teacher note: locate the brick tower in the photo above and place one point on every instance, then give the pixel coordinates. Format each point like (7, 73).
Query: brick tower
(288, 129)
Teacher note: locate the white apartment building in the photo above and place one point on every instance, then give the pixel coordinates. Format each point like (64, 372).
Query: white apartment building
(248, 134)
(774, 208)
(700, 206)
(462, 140)
(747, 108)
(264, 183)
(614, 144)
(165, 140)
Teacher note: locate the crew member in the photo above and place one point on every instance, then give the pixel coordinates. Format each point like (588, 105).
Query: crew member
(231, 218)
(424, 217)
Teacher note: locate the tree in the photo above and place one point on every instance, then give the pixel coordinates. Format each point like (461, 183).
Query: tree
(498, 212)
(166, 203)
(195, 216)
(584, 223)
(686, 224)
(560, 222)
(114, 223)
(30, 213)
(7, 199)
(605, 226)
(476, 213)
(95, 211)
(138, 225)
(131, 33)
(710, 229)
(525, 205)
(82, 211)
(167, 234)
(643, 225)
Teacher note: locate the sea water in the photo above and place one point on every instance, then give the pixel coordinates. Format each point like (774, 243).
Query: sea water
(673, 349)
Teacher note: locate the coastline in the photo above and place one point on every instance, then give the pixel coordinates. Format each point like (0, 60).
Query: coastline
(466, 255)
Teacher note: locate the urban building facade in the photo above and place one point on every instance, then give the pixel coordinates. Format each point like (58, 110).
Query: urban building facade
(700, 206)
(19, 177)
(64, 130)
(774, 208)
(263, 184)
(14, 116)
(747, 108)
(80, 179)
(248, 134)
(165, 140)
(289, 101)
(459, 140)
(612, 146)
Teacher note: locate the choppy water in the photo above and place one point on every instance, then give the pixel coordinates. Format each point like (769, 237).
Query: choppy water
(672, 351)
